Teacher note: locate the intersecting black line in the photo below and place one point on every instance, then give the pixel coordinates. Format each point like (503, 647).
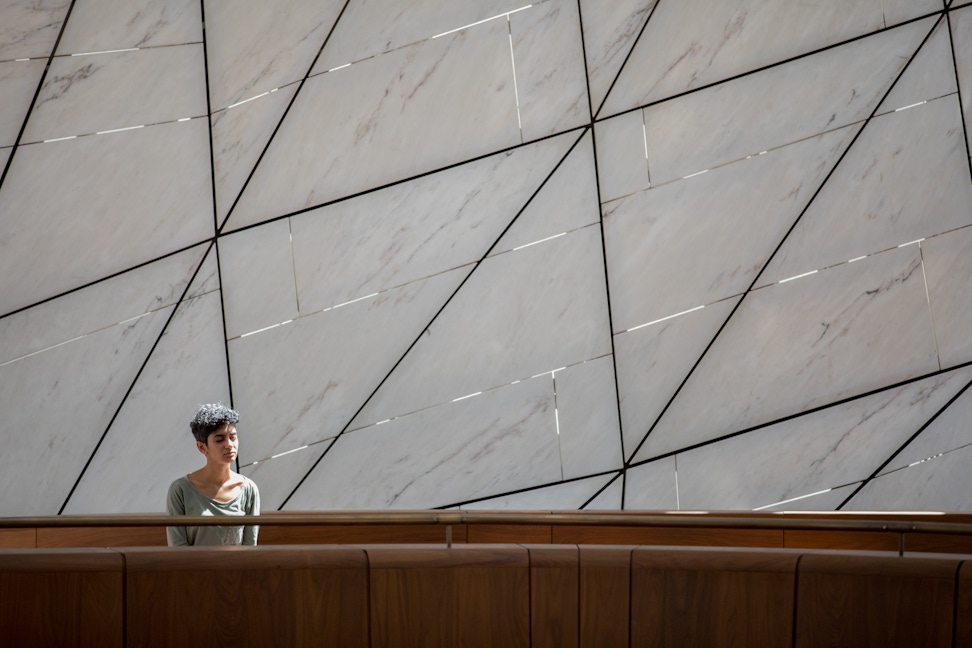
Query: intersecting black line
(958, 87)
(623, 63)
(131, 386)
(903, 446)
(33, 101)
(600, 216)
(604, 488)
(436, 315)
(283, 117)
(527, 489)
(796, 221)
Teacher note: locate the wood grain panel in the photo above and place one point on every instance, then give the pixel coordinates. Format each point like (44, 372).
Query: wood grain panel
(938, 543)
(712, 597)
(670, 536)
(247, 596)
(554, 596)
(61, 598)
(502, 533)
(875, 600)
(18, 538)
(101, 537)
(963, 606)
(360, 534)
(605, 593)
(850, 540)
(464, 596)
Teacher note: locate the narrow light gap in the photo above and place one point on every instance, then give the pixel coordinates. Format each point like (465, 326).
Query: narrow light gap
(33, 353)
(857, 259)
(544, 240)
(692, 175)
(456, 400)
(793, 499)
(931, 312)
(282, 454)
(340, 67)
(352, 301)
(560, 449)
(130, 49)
(480, 22)
(240, 103)
(516, 92)
(20, 60)
(910, 106)
(266, 328)
(685, 312)
(799, 276)
(911, 243)
(185, 119)
(678, 503)
(60, 139)
(119, 130)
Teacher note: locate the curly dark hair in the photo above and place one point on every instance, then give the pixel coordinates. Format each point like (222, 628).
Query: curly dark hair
(210, 418)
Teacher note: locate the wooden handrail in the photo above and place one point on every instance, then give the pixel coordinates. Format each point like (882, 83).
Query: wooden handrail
(648, 519)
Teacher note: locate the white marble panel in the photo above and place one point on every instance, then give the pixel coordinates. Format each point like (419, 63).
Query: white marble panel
(18, 81)
(549, 59)
(410, 111)
(559, 497)
(149, 444)
(278, 477)
(100, 92)
(587, 412)
(29, 28)
(931, 74)
(254, 46)
(418, 228)
(56, 406)
(960, 22)
(694, 43)
(99, 306)
(777, 106)
(4, 155)
(949, 431)
(795, 346)
(948, 273)
(942, 484)
(905, 178)
(257, 269)
(500, 441)
(239, 136)
(622, 163)
(652, 362)
(610, 499)
(370, 27)
(567, 201)
(610, 30)
(100, 210)
(826, 501)
(121, 24)
(898, 11)
(652, 486)
(207, 279)
(520, 314)
(696, 241)
(302, 382)
(811, 453)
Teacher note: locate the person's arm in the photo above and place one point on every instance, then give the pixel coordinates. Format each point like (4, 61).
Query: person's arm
(174, 505)
(250, 532)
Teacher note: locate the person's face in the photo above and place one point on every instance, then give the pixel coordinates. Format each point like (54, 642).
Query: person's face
(222, 445)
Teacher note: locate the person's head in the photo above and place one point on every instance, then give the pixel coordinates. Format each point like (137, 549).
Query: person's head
(214, 428)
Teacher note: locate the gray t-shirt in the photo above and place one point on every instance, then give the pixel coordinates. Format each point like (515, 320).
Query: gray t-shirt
(185, 499)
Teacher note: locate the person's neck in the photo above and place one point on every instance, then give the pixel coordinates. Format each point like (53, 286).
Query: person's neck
(215, 473)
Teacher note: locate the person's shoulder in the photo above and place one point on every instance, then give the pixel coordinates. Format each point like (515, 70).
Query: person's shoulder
(249, 483)
(180, 483)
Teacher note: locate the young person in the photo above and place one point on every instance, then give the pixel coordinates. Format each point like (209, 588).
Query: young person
(214, 489)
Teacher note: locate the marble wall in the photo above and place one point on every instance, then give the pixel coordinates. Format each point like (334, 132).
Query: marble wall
(572, 254)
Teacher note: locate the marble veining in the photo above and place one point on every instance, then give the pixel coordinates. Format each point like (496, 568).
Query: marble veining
(931, 74)
(121, 24)
(254, 46)
(82, 384)
(783, 104)
(587, 415)
(948, 274)
(943, 484)
(905, 178)
(417, 109)
(610, 30)
(18, 81)
(302, 382)
(500, 441)
(99, 306)
(422, 227)
(121, 214)
(559, 497)
(794, 346)
(184, 370)
(257, 268)
(520, 314)
(30, 27)
(549, 60)
(824, 449)
(100, 92)
(697, 241)
(622, 164)
(694, 43)
(567, 201)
